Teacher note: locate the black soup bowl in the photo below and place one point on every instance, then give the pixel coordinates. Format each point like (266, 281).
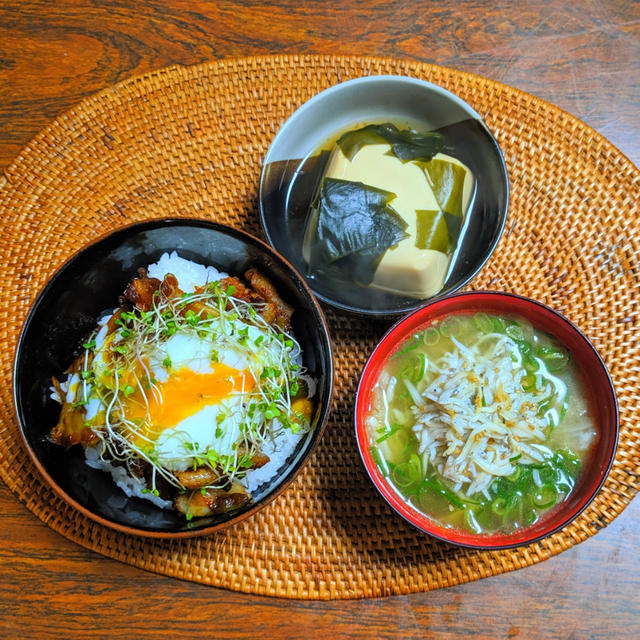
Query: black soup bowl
(66, 312)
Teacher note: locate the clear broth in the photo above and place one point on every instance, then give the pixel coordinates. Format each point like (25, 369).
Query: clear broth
(534, 487)
(288, 187)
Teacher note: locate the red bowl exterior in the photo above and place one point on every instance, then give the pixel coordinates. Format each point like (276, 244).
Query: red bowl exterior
(594, 378)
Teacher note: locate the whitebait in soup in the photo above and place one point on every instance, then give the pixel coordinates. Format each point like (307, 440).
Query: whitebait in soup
(480, 421)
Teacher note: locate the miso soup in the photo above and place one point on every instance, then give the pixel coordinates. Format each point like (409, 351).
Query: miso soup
(481, 423)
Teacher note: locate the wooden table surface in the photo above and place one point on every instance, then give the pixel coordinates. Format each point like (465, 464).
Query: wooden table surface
(583, 56)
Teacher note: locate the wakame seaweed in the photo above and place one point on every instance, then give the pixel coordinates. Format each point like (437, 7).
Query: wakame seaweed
(437, 230)
(355, 225)
(406, 144)
(351, 225)
(447, 180)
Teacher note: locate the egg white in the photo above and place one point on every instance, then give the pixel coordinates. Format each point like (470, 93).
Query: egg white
(197, 433)
(178, 445)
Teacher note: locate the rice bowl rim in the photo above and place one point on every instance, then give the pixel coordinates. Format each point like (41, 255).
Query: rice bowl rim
(312, 438)
(607, 429)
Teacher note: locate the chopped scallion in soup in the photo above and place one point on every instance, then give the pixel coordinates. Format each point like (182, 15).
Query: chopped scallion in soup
(480, 422)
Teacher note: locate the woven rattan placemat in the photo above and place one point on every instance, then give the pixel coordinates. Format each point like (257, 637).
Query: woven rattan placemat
(189, 141)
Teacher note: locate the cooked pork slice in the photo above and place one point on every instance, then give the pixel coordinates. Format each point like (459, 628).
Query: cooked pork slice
(277, 310)
(141, 290)
(211, 501)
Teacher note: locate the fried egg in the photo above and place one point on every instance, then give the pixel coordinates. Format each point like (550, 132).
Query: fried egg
(197, 397)
(196, 404)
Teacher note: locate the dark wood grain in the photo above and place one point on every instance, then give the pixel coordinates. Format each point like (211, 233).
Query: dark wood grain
(582, 56)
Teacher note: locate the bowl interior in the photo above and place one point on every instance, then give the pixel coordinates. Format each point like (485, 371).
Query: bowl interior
(594, 378)
(66, 311)
(291, 173)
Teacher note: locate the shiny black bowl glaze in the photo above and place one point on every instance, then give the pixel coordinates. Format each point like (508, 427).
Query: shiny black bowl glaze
(66, 311)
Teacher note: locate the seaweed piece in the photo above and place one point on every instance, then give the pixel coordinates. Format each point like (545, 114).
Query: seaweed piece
(406, 144)
(437, 230)
(447, 181)
(353, 226)
(431, 231)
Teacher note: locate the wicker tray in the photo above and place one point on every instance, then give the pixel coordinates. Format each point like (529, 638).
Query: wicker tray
(189, 141)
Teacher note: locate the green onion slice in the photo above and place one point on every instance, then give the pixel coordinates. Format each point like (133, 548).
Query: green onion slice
(407, 473)
(498, 325)
(514, 331)
(435, 485)
(499, 507)
(530, 364)
(555, 359)
(515, 475)
(546, 496)
(529, 382)
(409, 345)
(483, 322)
(377, 458)
(431, 336)
(524, 346)
(449, 326)
(415, 367)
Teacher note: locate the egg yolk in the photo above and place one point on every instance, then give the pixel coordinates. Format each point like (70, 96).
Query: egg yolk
(184, 394)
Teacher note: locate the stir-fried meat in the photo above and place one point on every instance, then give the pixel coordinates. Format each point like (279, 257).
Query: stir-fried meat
(258, 460)
(211, 501)
(140, 290)
(169, 286)
(204, 476)
(240, 289)
(277, 309)
(196, 478)
(71, 427)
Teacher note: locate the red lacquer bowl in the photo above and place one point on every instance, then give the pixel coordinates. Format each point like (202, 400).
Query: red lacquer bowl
(594, 378)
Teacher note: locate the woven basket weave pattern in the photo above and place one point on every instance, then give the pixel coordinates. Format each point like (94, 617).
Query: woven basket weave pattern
(189, 142)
